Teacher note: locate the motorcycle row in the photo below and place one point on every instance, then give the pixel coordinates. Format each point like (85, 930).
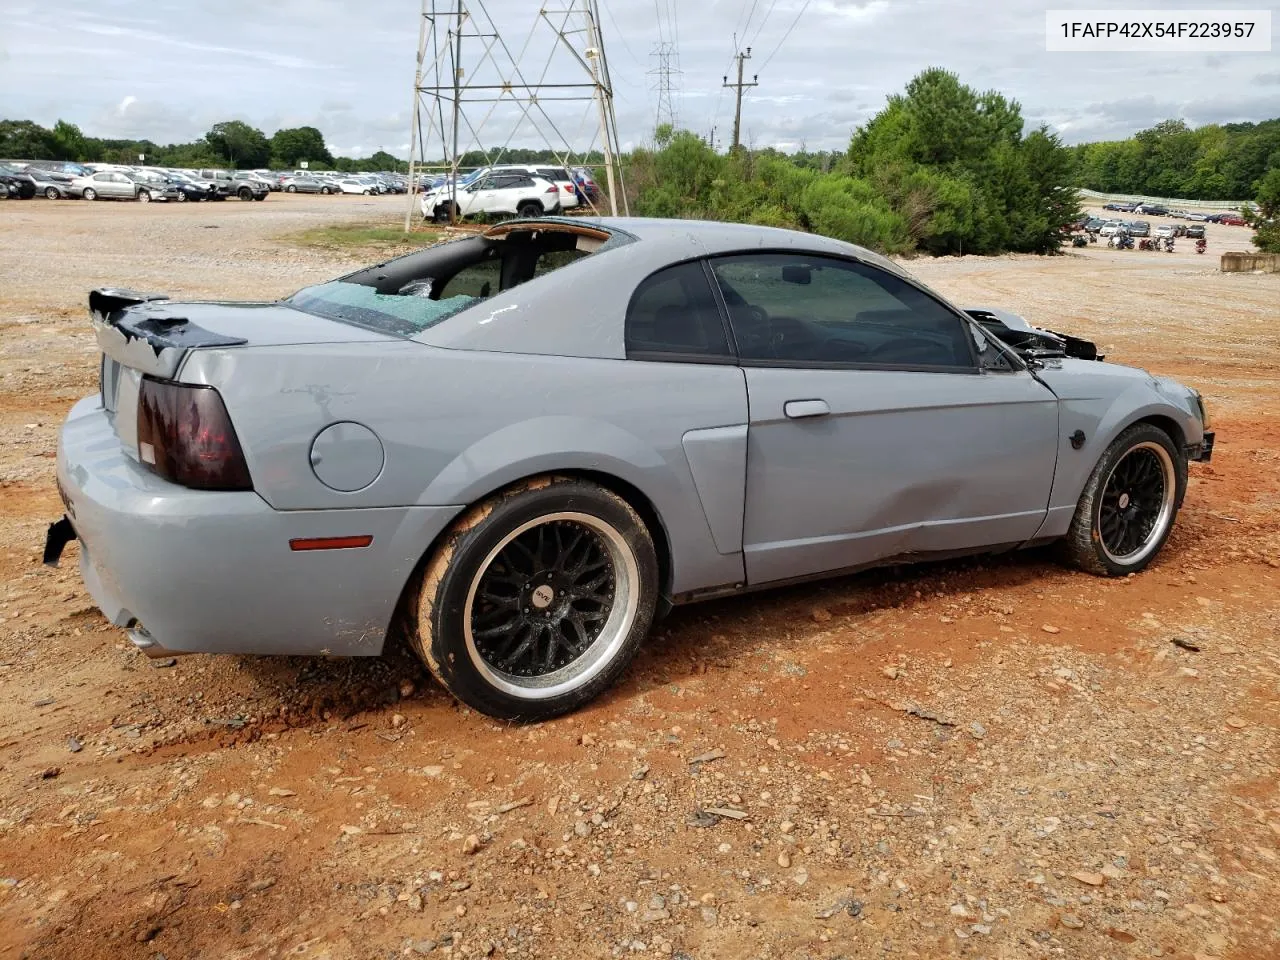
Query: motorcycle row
(1122, 241)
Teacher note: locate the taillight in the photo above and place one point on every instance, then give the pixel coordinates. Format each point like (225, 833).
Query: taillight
(555, 190)
(185, 436)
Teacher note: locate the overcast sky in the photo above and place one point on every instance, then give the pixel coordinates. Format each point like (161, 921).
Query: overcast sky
(166, 70)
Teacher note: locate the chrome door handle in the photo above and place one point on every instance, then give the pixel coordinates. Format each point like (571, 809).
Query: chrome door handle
(800, 409)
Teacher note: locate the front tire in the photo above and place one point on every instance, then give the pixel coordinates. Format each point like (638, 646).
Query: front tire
(292, 188)
(182, 196)
(244, 193)
(537, 599)
(325, 190)
(1128, 505)
(90, 194)
(51, 193)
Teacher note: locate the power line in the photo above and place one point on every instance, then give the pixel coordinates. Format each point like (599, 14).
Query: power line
(760, 29)
(803, 8)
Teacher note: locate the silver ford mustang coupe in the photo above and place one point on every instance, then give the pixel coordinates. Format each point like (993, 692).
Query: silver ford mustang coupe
(522, 445)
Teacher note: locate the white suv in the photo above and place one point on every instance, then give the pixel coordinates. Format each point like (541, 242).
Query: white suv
(498, 192)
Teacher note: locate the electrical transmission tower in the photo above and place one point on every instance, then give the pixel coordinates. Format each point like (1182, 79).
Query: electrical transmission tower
(738, 88)
(665, 82)
(464, 61)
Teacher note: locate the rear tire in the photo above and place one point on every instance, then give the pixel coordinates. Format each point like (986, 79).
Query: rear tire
(1128, 505)
(90, 193)
(51, 193)
(537, 599)
(291, 188)
(529, 208)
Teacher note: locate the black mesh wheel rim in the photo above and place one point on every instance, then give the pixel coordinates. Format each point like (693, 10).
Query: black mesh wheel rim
(1137, 503)
(551, 605)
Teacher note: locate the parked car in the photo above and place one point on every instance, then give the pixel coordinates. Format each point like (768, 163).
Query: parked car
(50, 185)
(1231, 220)
(1120, 207)
(560, 176)
(355, 185)
(1094, 224)
(1139, 228)
(1195, 231)
(230, 184)
(1199, 217)
(190, 188)
(531, 440)
(307, 185)
(1151, 210)
(501, 194)
(1166, 230)
(587, 189)
(114, 185)
(16, 184)
(1112, 227)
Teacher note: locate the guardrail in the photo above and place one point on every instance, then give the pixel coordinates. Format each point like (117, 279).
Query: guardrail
(1170, 202)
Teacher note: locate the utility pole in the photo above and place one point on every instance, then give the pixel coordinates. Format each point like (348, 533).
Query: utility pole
(457, 114)
(738, 88)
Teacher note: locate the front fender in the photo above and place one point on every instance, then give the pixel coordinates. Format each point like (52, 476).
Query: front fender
(1101, 401)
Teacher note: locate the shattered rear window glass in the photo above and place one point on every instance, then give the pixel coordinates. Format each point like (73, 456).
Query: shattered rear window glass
(394, 313)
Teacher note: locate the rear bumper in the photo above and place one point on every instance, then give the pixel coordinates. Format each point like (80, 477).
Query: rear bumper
(193, 571)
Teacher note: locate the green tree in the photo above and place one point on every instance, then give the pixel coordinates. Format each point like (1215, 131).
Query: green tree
(239, 144)
(1264, 215)
(294, 144)
(27, 140)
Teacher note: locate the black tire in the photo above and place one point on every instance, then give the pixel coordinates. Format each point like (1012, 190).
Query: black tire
(260, 196)
(291, 188)
(144, 196)
(90, 193)
(51, 193)
(609, 568)
(244, 193)
(368, 192)
(325, 190)
(529, 208)
(442, 213)
(1101, 540)
(182, 196)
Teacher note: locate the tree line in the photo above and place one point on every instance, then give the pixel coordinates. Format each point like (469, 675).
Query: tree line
(1214, 162)
(233, 144)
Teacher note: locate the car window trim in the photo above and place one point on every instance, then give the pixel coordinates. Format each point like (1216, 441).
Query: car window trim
(965, 321)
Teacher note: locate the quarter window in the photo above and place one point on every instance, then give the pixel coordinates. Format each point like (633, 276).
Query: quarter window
(673, 316)
(790, 308)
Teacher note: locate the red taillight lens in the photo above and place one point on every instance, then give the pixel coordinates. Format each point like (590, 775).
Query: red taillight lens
(185, 436)
(553, 189)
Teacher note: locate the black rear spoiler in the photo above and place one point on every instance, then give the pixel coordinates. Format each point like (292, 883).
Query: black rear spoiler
(160, 326)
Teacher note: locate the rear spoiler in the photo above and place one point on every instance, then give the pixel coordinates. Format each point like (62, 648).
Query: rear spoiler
(141, 330)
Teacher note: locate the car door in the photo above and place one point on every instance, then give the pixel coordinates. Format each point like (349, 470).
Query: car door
(480, 197)
(874, 429)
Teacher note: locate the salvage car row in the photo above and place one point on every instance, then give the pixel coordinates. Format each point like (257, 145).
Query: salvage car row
(57, 180)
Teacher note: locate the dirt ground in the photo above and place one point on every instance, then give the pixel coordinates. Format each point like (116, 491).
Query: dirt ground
(994, 758)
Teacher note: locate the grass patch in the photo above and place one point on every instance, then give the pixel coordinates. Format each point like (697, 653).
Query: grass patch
(383, 237)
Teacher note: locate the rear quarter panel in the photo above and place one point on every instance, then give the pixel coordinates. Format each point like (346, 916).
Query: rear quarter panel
(457, 425)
